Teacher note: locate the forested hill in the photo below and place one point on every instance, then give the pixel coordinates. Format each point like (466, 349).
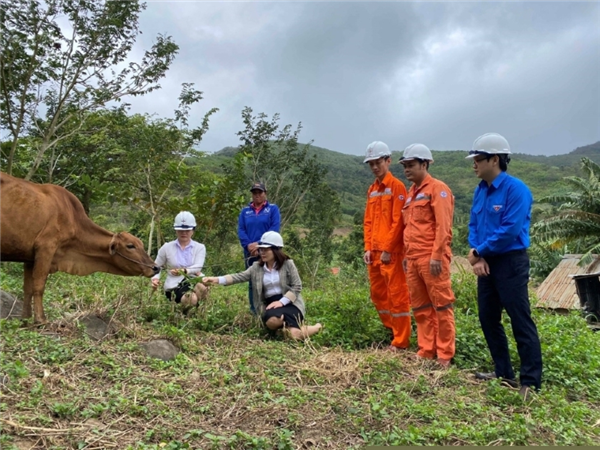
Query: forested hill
(351, 178)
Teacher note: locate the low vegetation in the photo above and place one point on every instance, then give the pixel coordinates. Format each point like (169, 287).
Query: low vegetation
(235, 386)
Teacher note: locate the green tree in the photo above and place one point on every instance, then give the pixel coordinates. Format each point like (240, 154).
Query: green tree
(319, 215)
(576, 222)
(161, 162)
(53, 76)
(277, 159)
(134, 159)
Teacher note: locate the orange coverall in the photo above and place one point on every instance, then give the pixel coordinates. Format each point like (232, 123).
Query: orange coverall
(427, 217)
(383, 232)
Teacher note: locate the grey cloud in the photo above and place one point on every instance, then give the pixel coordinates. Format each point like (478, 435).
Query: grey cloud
(441, 73)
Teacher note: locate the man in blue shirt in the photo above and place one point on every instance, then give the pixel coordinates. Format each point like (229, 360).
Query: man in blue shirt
(256, 219)
(499, 238)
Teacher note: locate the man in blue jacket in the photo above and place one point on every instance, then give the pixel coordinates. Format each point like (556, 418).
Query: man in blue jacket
(499, 238)
(256, 219)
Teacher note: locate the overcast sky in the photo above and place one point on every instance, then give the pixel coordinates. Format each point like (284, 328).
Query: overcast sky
(401, 72)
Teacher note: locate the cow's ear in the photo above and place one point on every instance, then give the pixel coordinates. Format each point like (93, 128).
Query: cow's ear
(112, 248)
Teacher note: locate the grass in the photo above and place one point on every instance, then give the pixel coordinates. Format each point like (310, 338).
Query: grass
(235, 386)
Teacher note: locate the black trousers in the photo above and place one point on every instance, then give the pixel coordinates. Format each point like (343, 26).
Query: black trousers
(506, 288)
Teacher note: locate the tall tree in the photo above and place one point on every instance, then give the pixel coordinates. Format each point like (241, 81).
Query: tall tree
(158, 177)
(576, 222)
(53, 74)
(277, 159)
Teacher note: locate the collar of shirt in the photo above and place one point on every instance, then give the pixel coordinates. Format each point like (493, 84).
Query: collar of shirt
(424, 183)
(496, 183)
(387, 180)
(264, 205)
(179, 247)
(275, 268)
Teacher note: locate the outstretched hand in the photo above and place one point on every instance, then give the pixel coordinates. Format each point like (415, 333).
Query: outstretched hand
(210, 280)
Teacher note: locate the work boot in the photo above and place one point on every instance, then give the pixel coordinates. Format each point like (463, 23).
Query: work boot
(394, 349)
(443, 363)
(525, 392)
(487, 376)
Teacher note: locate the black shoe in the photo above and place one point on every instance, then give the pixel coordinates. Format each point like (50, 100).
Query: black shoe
(487, 376)
(525, 392)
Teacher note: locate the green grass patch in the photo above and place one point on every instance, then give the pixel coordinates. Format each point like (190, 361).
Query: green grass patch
(235, 386)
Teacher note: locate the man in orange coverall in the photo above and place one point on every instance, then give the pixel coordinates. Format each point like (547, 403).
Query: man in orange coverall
(383, 246)
(427, 217)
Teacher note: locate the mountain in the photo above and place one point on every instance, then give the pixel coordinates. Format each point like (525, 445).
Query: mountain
(350, 177)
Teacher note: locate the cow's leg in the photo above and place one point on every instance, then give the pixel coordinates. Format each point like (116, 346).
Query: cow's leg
(41, 268)
(27, 290)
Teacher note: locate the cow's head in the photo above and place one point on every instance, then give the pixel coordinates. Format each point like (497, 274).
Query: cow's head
(129, 256)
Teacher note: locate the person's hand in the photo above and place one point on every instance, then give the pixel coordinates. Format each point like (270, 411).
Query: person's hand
(177, 272)
(253, 247)
(210, 280)
(155, 283)
(367, 257)
(472, 258)
(405, 265)
(254, 253)
(386, 258)
(435, 267)
(276, 304)
(481, 268)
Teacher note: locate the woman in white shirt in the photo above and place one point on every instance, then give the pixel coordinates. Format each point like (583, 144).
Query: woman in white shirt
(276, 288)
(180, 257)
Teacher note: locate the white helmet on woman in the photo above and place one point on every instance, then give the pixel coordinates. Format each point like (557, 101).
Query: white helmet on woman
(417, 151)
(185, 220)
(270, 239)
(491, 144)
(376, 150)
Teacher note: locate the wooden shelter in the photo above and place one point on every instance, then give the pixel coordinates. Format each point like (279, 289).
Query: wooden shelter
(559, 290)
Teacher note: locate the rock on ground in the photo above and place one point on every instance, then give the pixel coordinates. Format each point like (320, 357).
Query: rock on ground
(11, 307)
(95, 327)
(160, 349)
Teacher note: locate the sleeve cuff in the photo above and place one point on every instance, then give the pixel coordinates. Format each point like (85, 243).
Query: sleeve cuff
(285, 301)
(222, 280)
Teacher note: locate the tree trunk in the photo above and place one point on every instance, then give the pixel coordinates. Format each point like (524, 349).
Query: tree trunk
(150, 236)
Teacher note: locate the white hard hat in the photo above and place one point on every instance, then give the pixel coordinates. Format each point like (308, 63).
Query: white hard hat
(185, 220)
(491, 144)
(376, 150)
(417, 151)
(270, 239)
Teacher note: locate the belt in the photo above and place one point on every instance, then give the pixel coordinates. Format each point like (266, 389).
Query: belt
(523, 251)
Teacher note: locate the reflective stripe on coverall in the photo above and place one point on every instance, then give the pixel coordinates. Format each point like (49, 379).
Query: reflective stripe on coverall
(427, 217)
(383, 232)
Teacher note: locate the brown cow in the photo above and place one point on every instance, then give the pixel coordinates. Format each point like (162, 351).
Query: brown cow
(45, 227)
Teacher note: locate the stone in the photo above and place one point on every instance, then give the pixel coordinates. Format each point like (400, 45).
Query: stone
(160, 349)
(11, 307)
(95, 327)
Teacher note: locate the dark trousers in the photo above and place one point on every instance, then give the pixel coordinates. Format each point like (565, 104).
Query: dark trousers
(249, 260)
(506, 288)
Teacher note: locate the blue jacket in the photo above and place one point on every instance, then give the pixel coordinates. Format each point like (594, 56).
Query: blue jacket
(252, 225)
(500, 216)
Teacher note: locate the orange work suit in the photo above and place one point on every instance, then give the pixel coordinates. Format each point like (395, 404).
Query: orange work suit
(383, 232)
(427, 217)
